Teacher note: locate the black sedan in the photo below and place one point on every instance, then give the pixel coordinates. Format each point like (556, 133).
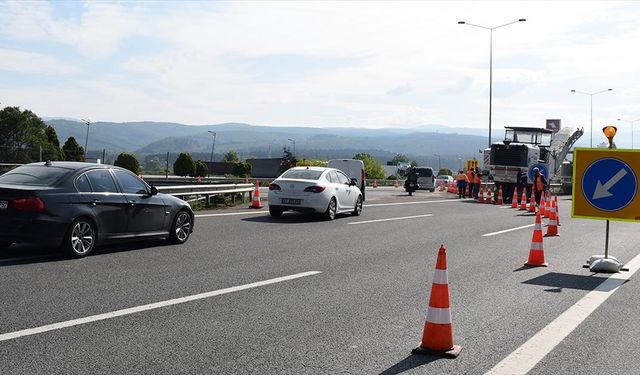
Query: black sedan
(79, 205)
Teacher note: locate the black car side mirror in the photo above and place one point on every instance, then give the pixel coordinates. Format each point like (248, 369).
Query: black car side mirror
(154, 190)
(353, 182)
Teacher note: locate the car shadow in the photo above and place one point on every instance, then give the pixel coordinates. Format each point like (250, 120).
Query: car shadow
(289, 218)
(19, 254)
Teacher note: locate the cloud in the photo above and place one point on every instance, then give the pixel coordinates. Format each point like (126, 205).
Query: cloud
(34, 63)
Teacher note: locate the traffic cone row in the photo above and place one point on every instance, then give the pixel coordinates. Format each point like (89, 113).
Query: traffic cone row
(437, 336)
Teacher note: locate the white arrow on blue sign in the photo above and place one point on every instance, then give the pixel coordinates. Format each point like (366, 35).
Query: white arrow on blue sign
(609, 184)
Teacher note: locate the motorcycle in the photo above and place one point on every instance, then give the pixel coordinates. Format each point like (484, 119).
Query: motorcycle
(411, 185)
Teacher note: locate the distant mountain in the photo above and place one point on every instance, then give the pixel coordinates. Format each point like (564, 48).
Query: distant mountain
(147, 138)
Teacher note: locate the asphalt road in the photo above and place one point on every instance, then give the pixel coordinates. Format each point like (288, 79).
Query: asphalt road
(362, 313)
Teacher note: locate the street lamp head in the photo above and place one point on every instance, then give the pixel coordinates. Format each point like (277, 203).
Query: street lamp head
(609, 89)
(521, 20)
(461, 22)
(573, 90)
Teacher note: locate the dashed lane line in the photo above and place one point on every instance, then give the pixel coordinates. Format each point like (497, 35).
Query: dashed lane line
(527, 356)
(151, 306)
(389, 219)
(508, 230)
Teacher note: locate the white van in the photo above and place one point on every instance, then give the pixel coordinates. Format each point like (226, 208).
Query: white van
(353, 168)
(426, 178)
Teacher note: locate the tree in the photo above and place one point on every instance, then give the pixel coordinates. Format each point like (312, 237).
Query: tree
(287, 161)
(128, 161)
(399, 158)
(231, 156)
(372, 167)
(22, 135)
(184, 165)
(202, 170)
(52, 151)
(311, 163)
(72, 150)
(241, 169)
(414, 163)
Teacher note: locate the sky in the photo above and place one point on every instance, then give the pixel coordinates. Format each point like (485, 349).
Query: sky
(372, 64)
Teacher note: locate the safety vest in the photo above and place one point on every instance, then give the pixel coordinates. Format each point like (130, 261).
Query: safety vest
(539, 183)
(477, 179)
(470, 176)
(462, 177)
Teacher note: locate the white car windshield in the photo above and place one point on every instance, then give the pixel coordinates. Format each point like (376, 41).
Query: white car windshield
(302, 174)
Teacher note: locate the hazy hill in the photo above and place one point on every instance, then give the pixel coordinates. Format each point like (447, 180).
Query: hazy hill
(158, 138)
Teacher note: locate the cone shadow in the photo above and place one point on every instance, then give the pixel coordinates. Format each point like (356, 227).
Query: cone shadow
(410, 362)
(561, 281)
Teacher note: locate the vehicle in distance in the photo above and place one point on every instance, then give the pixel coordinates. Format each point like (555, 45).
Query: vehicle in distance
(444, 178)
(327, 191)
(79, 205)
(353, 168)
(426, 178)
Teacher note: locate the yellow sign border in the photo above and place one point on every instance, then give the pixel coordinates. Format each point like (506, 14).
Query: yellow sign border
(575, 182)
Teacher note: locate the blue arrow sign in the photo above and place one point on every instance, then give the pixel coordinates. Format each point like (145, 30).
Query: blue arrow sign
(609, 184)
(543, 170)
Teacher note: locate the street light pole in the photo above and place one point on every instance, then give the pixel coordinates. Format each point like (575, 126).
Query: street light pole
(213, 145)
(631, 122)
(439, 162)
(86, 139)
(490, 61)
(294, 147)
(591, 110)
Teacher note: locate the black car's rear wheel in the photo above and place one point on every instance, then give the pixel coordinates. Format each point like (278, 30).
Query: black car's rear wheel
(80, 239)
(181, 228)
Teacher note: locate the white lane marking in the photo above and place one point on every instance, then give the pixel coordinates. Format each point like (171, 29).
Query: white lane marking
(151, 306)
(527, 356)
(390, 219)
(234, 213)
(507, 230)
(418, 202)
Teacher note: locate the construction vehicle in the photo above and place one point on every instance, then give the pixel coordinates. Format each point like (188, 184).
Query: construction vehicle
(525, 148)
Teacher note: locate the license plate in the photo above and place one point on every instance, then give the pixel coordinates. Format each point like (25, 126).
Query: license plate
(4, 205)
(291, 201)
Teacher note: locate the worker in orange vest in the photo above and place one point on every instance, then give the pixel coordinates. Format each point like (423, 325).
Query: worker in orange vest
(539, 184)
(470, 177)
(461, 183)
(477, 181)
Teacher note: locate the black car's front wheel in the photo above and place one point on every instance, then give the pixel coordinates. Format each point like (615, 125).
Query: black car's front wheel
(80, 239)
(181, 228)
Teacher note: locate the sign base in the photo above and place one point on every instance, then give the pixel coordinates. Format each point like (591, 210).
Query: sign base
(598, 263)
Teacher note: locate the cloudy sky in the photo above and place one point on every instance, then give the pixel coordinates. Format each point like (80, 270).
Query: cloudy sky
(328, 63)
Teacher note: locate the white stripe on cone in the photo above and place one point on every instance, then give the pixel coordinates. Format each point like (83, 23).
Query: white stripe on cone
(437, 315)
(440, 277)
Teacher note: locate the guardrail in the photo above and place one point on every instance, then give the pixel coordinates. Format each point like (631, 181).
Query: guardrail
(206, 191)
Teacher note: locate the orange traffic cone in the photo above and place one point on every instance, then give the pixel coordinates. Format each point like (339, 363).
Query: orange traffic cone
(489, 196)
(543, 212)
(255, 201)
(555, 203)
(532, 203)
(246, 179)
(500, 202)
(480, 196)
(523, 201)
(437, 337)
(375, 183)
(514, 200)
(396, 184)
(552, 227)
(441, 186)
(536, 253)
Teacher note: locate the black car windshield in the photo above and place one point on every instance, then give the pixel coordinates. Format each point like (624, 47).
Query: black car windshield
(302, 174)
(34, 175)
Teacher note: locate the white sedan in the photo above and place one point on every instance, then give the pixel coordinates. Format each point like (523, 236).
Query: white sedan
(314, 189)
